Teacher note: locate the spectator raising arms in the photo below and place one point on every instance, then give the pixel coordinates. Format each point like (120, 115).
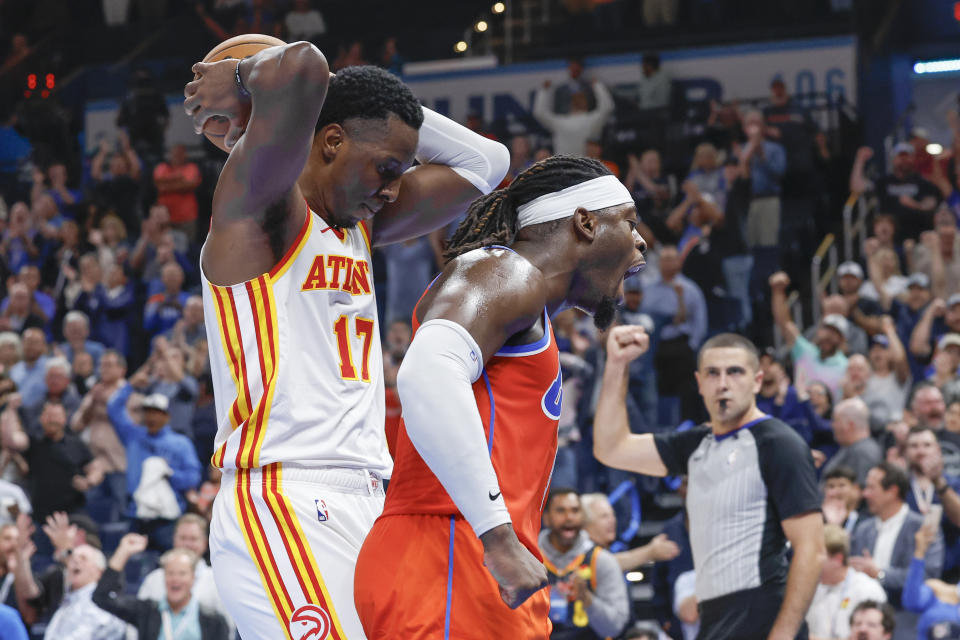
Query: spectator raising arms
(571, 131)
(821, 360)
(150, 617)
(161, 464)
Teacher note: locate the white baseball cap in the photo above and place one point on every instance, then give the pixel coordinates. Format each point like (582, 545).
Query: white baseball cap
(156, 401)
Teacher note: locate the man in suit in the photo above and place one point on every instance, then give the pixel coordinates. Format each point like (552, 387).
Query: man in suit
(882, 545)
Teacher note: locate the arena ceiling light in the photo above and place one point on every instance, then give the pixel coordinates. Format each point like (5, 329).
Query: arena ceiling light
(937, 66)
(460, 47)
(481, 26)
(499, 7)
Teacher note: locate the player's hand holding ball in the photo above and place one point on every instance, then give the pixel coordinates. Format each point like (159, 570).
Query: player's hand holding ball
(214, 99)
(214, 94)
(626, 343)
(511, 564)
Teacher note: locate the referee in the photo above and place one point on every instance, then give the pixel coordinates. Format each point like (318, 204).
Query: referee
(751, 488)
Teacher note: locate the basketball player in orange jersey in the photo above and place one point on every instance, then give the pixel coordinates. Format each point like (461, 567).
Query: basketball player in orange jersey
(320, 174)
(454, 554)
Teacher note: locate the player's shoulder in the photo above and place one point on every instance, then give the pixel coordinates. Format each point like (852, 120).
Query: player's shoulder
(513, 279)
(509, 267)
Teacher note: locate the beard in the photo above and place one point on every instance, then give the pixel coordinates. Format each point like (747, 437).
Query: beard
(606, 312)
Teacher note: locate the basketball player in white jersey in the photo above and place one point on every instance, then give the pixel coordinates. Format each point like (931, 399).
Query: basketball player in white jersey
(321, 174)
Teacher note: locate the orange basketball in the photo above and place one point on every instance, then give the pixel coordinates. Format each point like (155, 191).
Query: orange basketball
(238, 48)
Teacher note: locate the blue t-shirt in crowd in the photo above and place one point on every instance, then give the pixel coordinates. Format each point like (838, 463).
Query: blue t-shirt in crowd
(11, 626)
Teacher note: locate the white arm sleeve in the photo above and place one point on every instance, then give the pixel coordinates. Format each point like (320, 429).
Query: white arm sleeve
(443, 422)
(481, 161)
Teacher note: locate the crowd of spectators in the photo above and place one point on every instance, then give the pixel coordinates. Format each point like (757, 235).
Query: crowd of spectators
(871, 385)
(105, 383)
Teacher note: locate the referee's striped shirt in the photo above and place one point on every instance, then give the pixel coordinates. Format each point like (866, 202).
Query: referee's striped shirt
(741, 486)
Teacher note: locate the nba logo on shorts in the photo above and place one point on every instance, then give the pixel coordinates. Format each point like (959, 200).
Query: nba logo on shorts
(309, 622)
(322, 514)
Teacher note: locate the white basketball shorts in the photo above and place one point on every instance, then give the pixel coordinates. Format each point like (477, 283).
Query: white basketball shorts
(283, 544)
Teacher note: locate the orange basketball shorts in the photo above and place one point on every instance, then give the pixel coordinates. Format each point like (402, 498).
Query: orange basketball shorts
(422, 577)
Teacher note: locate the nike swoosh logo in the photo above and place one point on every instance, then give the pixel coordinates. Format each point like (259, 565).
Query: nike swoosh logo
(493, 496)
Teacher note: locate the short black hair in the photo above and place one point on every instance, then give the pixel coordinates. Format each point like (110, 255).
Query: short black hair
(893, 475)
(368, 92)
(556, 493)
(652, 59)
(841, 471)
(885, 610)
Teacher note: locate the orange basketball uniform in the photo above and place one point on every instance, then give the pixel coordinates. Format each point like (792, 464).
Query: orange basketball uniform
(420, 572)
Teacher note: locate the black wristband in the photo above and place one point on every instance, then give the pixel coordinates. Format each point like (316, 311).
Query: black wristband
(242, 89)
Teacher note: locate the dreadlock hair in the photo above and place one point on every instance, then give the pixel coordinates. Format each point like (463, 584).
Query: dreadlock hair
(492, 219)
(368, 92)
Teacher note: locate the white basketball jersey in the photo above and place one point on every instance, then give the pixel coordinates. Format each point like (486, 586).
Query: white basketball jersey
(296, 359)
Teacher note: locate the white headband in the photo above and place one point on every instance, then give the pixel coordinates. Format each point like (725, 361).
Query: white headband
(598, 193)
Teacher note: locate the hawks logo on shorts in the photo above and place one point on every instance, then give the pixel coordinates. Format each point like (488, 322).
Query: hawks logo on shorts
(309, 622)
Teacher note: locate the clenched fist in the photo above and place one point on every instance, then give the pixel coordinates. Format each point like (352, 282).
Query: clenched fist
(626, 343)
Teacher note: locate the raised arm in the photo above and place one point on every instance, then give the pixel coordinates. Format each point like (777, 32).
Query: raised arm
(898, 355)
(605, 104)
(613, 443)
(456, 167)
(858, 182)
(543, 108)
(132, 158)
(920, 338)
(778, 305)
(938, 276)
(12, 435)
(126, 428)
(675, 221)
(25, 586)
(287, 87)
(109, 594)
(96, 165)
(478, 303)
